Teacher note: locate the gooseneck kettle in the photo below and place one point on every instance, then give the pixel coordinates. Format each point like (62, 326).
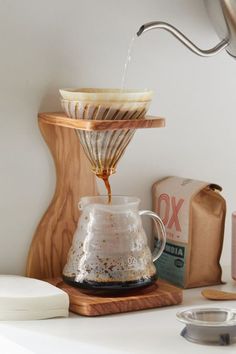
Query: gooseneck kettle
(222, 14)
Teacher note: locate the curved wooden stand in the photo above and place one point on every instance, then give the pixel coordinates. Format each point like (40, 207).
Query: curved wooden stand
(53, 237)
(52, 240)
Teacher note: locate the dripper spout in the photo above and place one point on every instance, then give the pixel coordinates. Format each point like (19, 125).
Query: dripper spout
(182, 38)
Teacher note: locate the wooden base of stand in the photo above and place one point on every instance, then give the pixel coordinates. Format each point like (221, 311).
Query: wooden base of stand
(157, 295)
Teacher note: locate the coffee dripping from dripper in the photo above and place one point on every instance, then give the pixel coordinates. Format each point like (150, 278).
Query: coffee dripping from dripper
(110, 251)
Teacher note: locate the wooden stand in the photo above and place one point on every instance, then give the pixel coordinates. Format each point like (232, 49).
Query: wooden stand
(52, 240)
(53, 237)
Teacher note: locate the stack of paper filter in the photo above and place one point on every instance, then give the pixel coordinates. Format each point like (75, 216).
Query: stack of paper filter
(24, 298)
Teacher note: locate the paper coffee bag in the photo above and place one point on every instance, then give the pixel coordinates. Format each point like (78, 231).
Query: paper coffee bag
(193, 213)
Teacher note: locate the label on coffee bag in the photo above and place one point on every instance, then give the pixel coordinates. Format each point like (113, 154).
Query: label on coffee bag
(172, 262)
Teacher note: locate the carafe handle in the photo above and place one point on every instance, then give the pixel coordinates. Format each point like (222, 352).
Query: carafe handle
(160, 236)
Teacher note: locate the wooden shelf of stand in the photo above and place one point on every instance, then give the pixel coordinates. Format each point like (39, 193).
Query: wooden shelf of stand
(60, 119)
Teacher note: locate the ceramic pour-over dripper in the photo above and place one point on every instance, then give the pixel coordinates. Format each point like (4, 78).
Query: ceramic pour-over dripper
(105, 148)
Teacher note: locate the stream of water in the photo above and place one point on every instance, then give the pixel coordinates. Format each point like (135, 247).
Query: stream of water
(127, 62)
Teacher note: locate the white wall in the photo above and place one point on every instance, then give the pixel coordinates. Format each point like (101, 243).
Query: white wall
(49, 44)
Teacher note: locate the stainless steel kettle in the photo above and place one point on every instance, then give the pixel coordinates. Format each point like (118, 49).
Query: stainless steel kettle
(222, 14)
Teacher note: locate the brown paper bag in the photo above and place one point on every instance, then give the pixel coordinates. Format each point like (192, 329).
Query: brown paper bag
(193, 213)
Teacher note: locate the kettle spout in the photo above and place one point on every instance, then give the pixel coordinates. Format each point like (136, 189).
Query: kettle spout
(183, 39)
(140, 31)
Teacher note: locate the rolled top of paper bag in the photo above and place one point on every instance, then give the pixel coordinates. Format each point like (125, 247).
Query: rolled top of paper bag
(105, 94)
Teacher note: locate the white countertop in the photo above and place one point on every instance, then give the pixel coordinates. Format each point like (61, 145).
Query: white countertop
(149, 331)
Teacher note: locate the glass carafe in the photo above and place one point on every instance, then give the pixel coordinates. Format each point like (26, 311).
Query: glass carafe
(110, 249)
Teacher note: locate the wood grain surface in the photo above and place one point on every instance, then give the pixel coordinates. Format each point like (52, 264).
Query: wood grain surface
(157, 295)
(214, 294)
(53, 237)
(60, 119)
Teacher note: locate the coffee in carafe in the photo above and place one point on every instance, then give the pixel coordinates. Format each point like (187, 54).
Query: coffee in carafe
(110, 250)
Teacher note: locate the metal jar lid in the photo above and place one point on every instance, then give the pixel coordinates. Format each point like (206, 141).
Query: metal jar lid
(215, 326)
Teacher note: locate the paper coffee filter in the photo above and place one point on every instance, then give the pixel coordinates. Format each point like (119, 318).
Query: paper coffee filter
(106, 94)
